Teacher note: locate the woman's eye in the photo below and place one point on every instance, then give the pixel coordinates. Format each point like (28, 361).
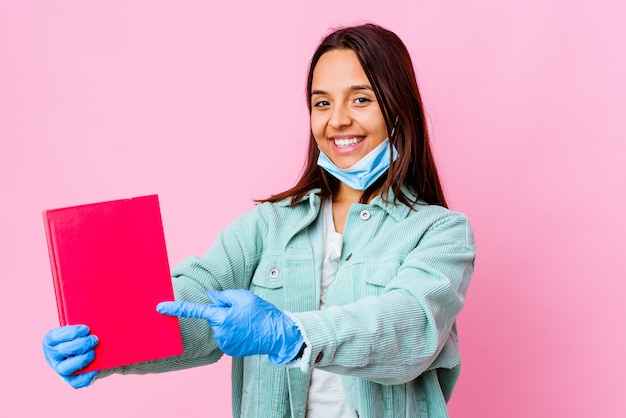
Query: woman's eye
(362, 100)
(321, 103)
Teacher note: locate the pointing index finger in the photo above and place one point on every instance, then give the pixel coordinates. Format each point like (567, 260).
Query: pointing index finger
(184, 309)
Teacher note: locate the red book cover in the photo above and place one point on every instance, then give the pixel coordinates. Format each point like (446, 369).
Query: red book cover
(110, 270)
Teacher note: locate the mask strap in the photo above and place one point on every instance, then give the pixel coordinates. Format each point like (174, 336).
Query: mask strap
(393, 130)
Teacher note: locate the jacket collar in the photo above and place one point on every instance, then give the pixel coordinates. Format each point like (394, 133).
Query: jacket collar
(397, 211)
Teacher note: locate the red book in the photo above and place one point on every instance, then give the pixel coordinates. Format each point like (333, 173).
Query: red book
(110, 270)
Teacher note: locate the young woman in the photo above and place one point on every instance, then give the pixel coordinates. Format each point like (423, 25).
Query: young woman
(338, 297)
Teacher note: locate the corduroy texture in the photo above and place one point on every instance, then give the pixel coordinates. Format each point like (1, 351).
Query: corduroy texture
(389, 327)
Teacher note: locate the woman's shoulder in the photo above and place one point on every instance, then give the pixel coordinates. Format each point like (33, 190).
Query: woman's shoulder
(445, 222)
(437, 211)
(277, 211)
(309, 199)
(415, 208)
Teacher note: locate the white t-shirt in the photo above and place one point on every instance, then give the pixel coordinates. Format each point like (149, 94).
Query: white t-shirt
(326, 397)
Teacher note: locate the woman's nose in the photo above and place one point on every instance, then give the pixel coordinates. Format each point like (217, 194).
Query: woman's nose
(340, 117)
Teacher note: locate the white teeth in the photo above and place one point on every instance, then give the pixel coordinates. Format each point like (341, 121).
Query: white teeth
(347, 142)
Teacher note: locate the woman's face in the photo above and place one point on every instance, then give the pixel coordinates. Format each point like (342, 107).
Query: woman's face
(346, 119)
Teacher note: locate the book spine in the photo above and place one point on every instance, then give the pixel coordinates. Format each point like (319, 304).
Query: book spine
(52, 252)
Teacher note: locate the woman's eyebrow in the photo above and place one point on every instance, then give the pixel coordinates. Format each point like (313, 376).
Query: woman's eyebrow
(351, 88)
(361, 87)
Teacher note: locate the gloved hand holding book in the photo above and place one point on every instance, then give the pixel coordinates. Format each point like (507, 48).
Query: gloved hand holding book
(69, 349)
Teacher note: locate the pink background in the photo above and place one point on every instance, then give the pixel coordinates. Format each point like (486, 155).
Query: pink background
(204, 104)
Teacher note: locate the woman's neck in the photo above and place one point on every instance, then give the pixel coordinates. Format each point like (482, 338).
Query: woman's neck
(346, 194)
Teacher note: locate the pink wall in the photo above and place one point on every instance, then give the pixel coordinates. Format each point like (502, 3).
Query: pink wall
(201, 103)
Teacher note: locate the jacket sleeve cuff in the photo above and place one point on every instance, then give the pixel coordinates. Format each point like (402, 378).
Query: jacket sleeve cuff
(304, 360)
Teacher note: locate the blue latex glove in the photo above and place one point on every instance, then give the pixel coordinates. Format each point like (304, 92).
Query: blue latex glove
(243, 324)
(69, 349)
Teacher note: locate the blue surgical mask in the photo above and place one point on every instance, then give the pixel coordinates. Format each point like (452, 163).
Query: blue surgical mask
(366, 171)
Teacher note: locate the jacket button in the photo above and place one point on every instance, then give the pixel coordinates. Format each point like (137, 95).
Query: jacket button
(319, 357)
(273, 273)
(365, 214)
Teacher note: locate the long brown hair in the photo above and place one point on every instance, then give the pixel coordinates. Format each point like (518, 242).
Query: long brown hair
(387, 64)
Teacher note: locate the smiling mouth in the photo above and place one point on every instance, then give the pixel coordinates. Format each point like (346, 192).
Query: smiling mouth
(348, 142)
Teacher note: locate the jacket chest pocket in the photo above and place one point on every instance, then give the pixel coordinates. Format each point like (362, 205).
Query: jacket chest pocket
(360, 279)
(289, 280)
(268, 280)
(378, 275)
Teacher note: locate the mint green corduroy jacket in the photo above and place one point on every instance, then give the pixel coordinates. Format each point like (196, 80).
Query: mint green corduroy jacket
(389, 326)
